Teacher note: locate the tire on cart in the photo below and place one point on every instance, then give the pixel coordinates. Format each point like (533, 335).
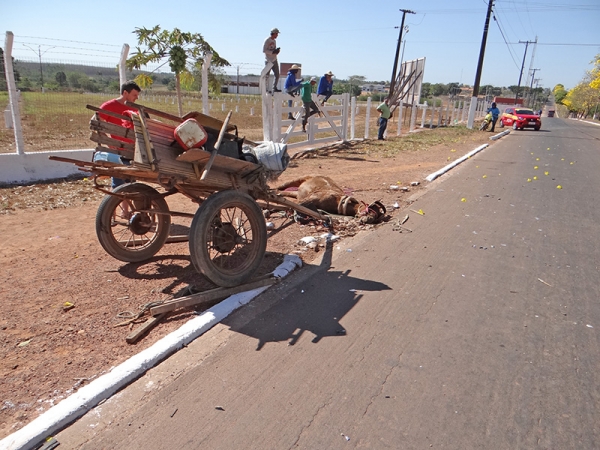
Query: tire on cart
(128, 229)
(228, 238)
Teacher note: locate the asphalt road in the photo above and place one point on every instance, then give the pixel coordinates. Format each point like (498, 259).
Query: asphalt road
(480, 329)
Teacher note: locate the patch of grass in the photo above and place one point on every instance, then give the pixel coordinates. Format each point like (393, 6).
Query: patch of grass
(418, 141)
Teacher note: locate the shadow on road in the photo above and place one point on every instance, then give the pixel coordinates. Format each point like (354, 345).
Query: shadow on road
(316, 304)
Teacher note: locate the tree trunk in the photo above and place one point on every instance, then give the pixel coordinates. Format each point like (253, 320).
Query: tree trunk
(178, 90)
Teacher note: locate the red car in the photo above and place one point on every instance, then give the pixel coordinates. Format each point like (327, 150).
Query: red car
(520, 118)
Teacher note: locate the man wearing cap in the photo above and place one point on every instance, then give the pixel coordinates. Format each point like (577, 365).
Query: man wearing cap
(325, 89)
(292, 85)
(271, 51)
(310, 107)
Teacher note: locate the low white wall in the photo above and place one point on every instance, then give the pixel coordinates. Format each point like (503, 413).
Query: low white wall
(30, 167)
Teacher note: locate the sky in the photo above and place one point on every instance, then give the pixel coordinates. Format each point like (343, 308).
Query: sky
(345, 37)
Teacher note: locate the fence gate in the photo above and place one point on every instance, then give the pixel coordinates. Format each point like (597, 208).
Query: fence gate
(330, 125)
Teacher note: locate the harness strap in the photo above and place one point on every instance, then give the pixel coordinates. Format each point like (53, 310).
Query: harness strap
(343, 204)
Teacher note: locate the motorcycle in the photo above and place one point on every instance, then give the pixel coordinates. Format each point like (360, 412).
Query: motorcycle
(486, 122)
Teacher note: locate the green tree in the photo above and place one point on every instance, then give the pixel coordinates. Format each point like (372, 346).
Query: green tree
(425, 90)
(182, 50)
(438, 89)
(559, 93)
(61, 78)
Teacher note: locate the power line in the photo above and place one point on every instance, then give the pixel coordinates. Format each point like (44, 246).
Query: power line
(71, 48)
(66, 40)
(510, 51)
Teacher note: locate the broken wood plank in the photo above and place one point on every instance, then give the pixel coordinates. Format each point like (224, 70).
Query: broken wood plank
(216, 149)
(210, 296)
(144, 328)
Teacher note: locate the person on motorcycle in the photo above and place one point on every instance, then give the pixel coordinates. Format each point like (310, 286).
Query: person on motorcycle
(495, 113)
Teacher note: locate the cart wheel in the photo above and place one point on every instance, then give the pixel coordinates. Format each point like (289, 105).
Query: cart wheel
(128, 229)
(228, 238)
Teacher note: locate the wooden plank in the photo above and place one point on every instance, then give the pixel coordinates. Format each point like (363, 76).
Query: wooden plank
(216, 148)
(112, 129)
(224, 163)
(155, 112)
(208, 121)
(108, 113)
(144, 328)
(212, 295)
(179, 238)
(108, 141)
(280, 199)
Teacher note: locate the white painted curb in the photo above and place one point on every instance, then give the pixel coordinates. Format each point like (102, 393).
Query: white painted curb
(89, 396)
(499, 135)
(443, 170)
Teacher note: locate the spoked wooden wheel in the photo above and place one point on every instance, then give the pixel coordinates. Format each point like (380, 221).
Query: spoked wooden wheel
(228, 238)
(133, 227)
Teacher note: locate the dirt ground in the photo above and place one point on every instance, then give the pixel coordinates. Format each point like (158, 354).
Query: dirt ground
(63, 295)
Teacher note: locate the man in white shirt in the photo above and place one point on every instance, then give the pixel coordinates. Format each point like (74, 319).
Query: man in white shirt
(271, 51)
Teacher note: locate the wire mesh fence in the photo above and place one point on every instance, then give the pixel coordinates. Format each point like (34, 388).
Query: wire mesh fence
(53, 94)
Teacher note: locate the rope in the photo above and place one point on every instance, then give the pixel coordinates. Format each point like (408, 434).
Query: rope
(131, 317)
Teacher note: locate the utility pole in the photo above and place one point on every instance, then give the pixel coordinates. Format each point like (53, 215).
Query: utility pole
(395, 68)
(522, 65)
(531, 86)
(39, 53)
(473, 105)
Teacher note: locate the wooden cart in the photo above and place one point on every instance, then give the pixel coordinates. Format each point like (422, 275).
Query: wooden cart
(228, 235)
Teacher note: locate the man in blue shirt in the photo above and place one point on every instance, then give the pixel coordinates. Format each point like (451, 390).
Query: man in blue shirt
(292, 85)
(495, 113)
(325, 88)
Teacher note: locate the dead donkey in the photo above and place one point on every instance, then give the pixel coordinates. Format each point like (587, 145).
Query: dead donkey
(322, 193)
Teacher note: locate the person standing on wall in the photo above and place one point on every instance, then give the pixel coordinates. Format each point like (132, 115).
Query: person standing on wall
(495, 113)
(325, 88)
(292, 85)
(384, 115)
(310, 107)
(130, 92)
(271, 51)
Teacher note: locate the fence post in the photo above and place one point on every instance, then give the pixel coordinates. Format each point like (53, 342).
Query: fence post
(399, 109)
(423, 116)
(345, 112)
(367, 118)
(354, 110)
(205, 67)
(277, 100)
(431, 118)
(13, 99)
(413, 117)
(122, 64)
(267, 104)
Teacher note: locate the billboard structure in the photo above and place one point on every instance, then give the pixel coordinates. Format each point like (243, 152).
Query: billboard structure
(408, 83)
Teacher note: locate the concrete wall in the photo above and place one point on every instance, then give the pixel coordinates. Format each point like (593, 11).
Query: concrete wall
(31, 167)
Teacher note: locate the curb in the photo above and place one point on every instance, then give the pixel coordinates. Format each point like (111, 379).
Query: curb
(88, 397)
(499, 135)
(455, 163)
(445, 169)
